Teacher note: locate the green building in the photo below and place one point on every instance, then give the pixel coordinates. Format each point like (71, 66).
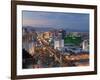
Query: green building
(71, 39)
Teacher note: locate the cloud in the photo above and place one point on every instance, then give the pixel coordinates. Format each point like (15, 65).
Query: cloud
(38, 22)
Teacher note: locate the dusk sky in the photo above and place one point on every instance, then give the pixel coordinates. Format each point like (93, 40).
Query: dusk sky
(77, 21)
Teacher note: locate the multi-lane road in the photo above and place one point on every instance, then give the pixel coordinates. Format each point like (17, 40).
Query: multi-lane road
(77, 59)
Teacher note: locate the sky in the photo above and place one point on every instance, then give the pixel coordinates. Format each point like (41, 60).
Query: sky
(77, 21)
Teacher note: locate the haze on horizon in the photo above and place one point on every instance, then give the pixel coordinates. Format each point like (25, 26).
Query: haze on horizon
(75, 21)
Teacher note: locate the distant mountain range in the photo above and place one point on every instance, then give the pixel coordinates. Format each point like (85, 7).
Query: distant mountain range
(43, 29)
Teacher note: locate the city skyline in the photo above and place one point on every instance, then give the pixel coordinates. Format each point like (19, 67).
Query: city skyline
(74, 21)
(55, 39)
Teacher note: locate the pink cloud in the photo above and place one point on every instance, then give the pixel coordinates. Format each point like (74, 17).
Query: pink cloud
(32, 22)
